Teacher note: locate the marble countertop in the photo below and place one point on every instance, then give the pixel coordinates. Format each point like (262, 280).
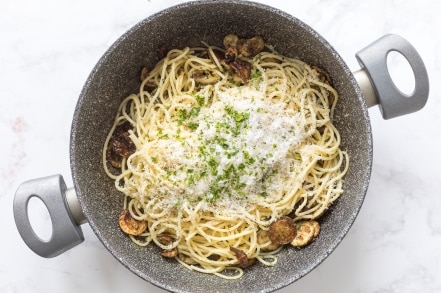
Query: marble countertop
(48, 48)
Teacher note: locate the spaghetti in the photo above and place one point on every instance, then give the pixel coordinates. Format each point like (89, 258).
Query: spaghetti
(219, 156)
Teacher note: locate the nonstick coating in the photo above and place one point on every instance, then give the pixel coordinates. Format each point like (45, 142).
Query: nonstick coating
(116, 75)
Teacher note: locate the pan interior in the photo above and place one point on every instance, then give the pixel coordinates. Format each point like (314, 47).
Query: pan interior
(116, 76)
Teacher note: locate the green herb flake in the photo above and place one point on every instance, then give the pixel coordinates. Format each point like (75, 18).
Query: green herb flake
(213, 165)
(182, 116)
(194, 111)
(256, 74)
(297, 157)
(164, 136)
(192, 125)
(263, 194)
(200, 99)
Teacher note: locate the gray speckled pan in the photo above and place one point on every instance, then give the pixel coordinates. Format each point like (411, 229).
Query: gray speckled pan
(116, 76)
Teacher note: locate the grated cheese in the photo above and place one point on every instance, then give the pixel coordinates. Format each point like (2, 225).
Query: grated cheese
(238, 153)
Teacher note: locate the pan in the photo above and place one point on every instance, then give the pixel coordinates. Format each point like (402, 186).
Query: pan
(115, 76)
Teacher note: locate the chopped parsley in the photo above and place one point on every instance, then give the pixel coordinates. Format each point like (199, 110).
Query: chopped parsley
(223, 151)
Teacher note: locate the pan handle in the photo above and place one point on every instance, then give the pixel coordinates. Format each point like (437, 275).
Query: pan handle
(64, 210)
(377, 85)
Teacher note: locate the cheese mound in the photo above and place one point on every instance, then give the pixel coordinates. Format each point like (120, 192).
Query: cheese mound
(234, 153)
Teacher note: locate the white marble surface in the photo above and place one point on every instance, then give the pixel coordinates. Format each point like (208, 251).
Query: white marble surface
(47, 49)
